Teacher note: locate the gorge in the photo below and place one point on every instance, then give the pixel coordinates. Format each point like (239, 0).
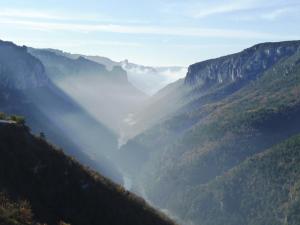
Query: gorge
(218, 146)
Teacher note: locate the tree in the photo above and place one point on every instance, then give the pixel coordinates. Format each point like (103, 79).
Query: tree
(42, 135)
(63, 223)
(2, 116)
(18, 119)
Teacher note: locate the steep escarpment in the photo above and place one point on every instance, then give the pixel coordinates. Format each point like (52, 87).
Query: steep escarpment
(48, 109)
(50, 187)
(246, 65)
(219, 126)
(211, 81)
(18, 70)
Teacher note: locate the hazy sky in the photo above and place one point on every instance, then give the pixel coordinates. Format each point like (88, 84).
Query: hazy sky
(153, 32)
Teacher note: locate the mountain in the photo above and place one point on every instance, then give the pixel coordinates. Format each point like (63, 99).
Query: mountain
(225, 112)
(217, 147)
(102, 60)
(27, 90)
(109, 64)
(264, 189)
(148, 79)
(59, 66)
(19, 72)
(151, 79)
(40, 183)
(105, 94)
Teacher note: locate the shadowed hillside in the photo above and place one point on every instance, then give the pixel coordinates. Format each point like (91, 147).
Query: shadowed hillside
(26, 89)
(58, 188)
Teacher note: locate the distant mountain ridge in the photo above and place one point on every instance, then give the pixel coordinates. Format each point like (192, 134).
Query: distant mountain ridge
(149, 79)
(106, 94)
(152, 79)
(60, 65)
(99, 59)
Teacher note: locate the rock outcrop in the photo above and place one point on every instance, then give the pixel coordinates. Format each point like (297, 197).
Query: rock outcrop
(246, 65)
(18, 69)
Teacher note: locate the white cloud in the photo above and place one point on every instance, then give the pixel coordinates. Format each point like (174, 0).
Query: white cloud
(202, 11)
(22, 13)
(269, 15)
(261, 9)
(277, 13)
(137, 29)
(16, 13)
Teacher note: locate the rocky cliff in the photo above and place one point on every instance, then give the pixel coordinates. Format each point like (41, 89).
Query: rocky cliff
(18, 69)
(246, 65)
(234, 107)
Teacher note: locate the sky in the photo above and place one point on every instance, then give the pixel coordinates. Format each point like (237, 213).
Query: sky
(156, 32)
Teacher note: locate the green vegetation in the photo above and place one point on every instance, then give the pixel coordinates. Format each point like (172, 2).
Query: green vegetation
(265, 189)
(15, 213)
(59, 189)
(2, 116)
(17, 119)
(212, 135)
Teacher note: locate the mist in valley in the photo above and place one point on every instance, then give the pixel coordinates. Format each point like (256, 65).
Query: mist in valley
(180, 148)
(107, 101)
(150, 112)
(112, 109)
(116, 111)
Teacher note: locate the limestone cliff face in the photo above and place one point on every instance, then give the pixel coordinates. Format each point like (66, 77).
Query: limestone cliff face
(20, 70)
(246, 65)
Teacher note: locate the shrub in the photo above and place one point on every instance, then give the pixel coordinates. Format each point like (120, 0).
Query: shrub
(42, 135)
(2, 116)
(14, 213)
(18, 119)
(63, 223)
